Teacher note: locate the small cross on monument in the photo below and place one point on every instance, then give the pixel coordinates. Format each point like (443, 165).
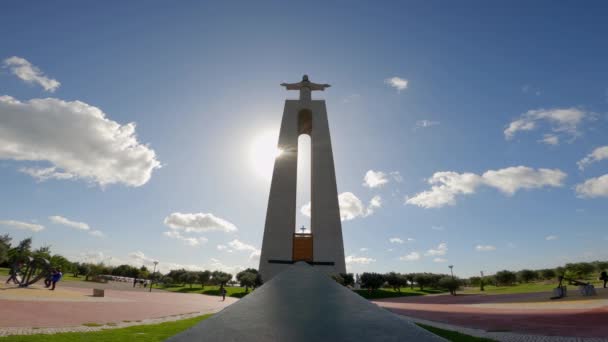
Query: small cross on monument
(305, 87)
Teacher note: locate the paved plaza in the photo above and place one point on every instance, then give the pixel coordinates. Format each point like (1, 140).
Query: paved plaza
(526, 313)
(72, 304)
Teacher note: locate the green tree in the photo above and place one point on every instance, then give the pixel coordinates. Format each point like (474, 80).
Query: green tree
(203, 277)
(410, 279)
(422, 279)
(505, 278)
(601, 266)
(59, 261)
(372, 281)
(5, 246)
(526, 276)
(395, 281)
(220, 278)
(258, 277)
(449, 283)
(21, 251)
(580, 270)
(189, 278)
(548, 274)
(247, 279)
(349, 279)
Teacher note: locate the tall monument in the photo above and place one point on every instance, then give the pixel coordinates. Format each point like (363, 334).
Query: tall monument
(323, 247)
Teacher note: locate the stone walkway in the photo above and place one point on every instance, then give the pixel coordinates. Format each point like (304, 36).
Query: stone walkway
(530, 314)
(38, 310)
(504, 336)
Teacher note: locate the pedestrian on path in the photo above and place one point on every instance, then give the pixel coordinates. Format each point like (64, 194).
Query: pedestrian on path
(13, 274)
(604, 277)
(56, 277)
(223, 292)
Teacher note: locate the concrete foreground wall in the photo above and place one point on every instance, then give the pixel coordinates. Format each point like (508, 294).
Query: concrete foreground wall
(303, 117)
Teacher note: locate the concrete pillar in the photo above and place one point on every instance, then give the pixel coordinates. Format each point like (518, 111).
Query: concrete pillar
(303, 117)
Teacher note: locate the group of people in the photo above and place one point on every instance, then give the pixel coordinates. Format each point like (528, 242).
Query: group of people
(52, 278)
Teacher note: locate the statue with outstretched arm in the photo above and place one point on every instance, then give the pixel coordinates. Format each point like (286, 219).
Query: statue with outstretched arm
(305, 87)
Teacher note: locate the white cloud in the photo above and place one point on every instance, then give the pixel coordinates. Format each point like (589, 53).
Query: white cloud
(198, 223)
(69, 223)
(29, 73)
(550, 139)
(413, 256)
(241, 246)
(97, 233)
(363, 249)
(224, 248)
(551, 237)
(426, 123)
(600, 153)
(593, 187)
(77, 139)
(351, 206)
(444, 188)
(562, 121)
(353, 259)
(375, 179)
(441, 249)
(440, 260)
(439, 228)
(21, 225)
(395, 240)
(76, 225)
(485, 248)
(511, 179)
(188, 240)
(396, 176)
(397, 83)
(446, 185)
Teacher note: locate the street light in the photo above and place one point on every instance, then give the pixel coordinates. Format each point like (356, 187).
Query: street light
(451, 270)
(152, 280)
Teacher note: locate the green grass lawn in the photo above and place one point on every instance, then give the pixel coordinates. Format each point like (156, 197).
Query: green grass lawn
(453, 335)
(522, 288)
(152, 332)
(212, 290)
(390, 293)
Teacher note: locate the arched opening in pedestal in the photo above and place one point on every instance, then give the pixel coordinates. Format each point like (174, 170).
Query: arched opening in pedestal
(302, 239)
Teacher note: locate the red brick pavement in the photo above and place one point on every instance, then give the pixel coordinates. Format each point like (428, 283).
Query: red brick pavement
(127, 305)
(527, 318)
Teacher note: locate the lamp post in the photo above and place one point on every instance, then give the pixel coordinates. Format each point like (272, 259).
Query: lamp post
(451, 270)
(152, 280)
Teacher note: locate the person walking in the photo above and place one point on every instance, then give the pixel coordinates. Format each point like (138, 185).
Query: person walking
(56, 277)
(604, 277)
(48, 280)
(223, 291)
(13, 274)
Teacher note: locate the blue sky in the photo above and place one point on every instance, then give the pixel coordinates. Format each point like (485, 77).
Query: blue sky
(505, 99)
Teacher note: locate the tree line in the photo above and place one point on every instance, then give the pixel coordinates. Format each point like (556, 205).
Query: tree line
(11, 255)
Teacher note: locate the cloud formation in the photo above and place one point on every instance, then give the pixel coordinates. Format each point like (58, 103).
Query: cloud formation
(413, 256)
(593, 187)
(551, 237)
(438, 259)
(396, 240)
(351, 207)
(426, 123)
(77, 139)
(485, 248)
(21, 225)
(446, 185)
(69, 223)
(188, 240)
(397, 83)
(565, 121)
(375, 179)
(353, 259)
(198, 223)
(75, 224)
(600, 153)
(29, 73)
(441, 249)
(238, 245)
